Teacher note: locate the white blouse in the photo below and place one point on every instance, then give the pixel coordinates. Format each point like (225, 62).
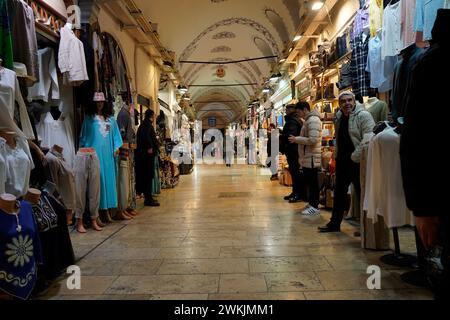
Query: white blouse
(18, 168)
(9, 94)
(2, 166)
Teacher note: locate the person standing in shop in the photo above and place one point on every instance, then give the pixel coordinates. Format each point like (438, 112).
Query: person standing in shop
(292, 127)
(269, 152)
(310, 153)
(352, 123)
(147, 148)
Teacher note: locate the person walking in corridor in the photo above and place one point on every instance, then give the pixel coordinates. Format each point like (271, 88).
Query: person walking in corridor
(310, 153)
(147, 150)
(292, 127)
(352, 123)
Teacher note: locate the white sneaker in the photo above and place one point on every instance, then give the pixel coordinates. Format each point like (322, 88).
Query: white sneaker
(311, 211)
(306, 207)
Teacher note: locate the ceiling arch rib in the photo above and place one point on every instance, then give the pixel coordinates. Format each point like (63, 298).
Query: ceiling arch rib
(278, 23)
(240, 21)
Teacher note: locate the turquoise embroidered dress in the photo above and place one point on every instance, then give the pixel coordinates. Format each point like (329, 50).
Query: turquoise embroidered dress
(104, 137)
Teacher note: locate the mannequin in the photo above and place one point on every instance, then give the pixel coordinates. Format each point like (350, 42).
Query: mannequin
(101, 132)
(10, 138)
(33, 196)
(377, 108)
(8, 203)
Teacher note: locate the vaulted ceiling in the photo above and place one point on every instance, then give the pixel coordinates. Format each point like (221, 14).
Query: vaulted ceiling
(224, 31)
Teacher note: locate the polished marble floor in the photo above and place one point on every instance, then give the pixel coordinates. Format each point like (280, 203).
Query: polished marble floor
(223, 234)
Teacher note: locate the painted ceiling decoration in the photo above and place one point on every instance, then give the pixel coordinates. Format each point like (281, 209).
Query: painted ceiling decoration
(240, 21)
(224, 35)
(278, 23)
(222, 31)
(221, 49)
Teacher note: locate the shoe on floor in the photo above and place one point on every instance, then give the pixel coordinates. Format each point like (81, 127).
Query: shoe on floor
(288, 197)
(329, 228)
(305, 207)
(311, 211)
(153, 203)
(295, 199)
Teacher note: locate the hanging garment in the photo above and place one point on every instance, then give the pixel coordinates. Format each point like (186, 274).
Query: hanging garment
(24, 37)
(21, 252)
(71, 58)
(104, 137)
(51, 132)
(360, 77)
(374, 236)
(44, 215)
(18, 164)
(360, 23)
(87, 182)
(3, 168)
(426, 13)
(57, 250)
(384, 188)
(156, 182)
(63, 177)
(391, 39)
(6, 46)
(375, 16)
(48, 86)
(9, 94)
(378, 109)
(408, 10)
(379, 79)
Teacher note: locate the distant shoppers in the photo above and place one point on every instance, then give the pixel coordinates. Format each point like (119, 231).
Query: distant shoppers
(147, 150)
(292, 127)
(273, 170)
(310, 153)
(352, 123)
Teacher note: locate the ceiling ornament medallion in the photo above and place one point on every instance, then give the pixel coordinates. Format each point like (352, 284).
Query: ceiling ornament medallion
(220, 72)
(224, 35)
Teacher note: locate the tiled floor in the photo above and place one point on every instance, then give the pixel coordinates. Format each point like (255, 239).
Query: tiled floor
(226, 233)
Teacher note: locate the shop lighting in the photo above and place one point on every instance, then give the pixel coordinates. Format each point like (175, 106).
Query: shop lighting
(182, 89)
(186, 97)
(275, 76)
(317, 5)
(282, 60)
(266, 90)
(297, 38)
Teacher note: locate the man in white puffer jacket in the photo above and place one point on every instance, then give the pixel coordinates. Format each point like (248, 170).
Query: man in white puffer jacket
(351, 124)
(310, 153)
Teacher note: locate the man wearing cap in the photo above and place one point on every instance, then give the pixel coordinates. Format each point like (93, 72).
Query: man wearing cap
(352, 123)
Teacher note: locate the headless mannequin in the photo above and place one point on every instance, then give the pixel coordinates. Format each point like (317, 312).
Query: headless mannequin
(69, 213)
(370, 102)
(8, 203)
(32, 196)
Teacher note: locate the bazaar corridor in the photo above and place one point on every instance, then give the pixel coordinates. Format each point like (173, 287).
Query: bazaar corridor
(227, 233)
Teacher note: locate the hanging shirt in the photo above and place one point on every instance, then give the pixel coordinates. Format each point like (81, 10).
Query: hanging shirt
(21, 252)
(23, 29)
(71, 58)
(126, 126)
(104, 137)
(51, 132)
(48, 78)
(360, 23)
(408, 9)
(358, 64)
(6, 46)
(381, 71)
(9, 94)
(375, 16)
(391, 40)
(426, 13)
(384, 187)
(3, 168)
(19, 165)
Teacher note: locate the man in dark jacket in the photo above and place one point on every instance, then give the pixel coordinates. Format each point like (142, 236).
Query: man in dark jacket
(147, 148)
(292, 126)
(425, 196)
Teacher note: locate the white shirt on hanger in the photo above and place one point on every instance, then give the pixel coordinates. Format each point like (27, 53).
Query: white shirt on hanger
(18, 168)
(391, 40)
(3, 167)
(9, 94)
(48, 78)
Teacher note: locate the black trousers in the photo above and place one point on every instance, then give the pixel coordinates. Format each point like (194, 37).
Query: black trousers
(311, 177)
(294, 169)
(347, 172)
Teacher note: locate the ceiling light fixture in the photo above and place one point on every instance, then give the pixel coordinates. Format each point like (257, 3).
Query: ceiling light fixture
(275, 76)
(317, 5)
(297, 38)
(182, 89)
(282, 60)
(266, 90)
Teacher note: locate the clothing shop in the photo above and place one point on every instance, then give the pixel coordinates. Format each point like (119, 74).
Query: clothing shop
(71, 101)
(375, 49)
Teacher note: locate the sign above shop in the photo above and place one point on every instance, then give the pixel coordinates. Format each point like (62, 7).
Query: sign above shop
(220, 73)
